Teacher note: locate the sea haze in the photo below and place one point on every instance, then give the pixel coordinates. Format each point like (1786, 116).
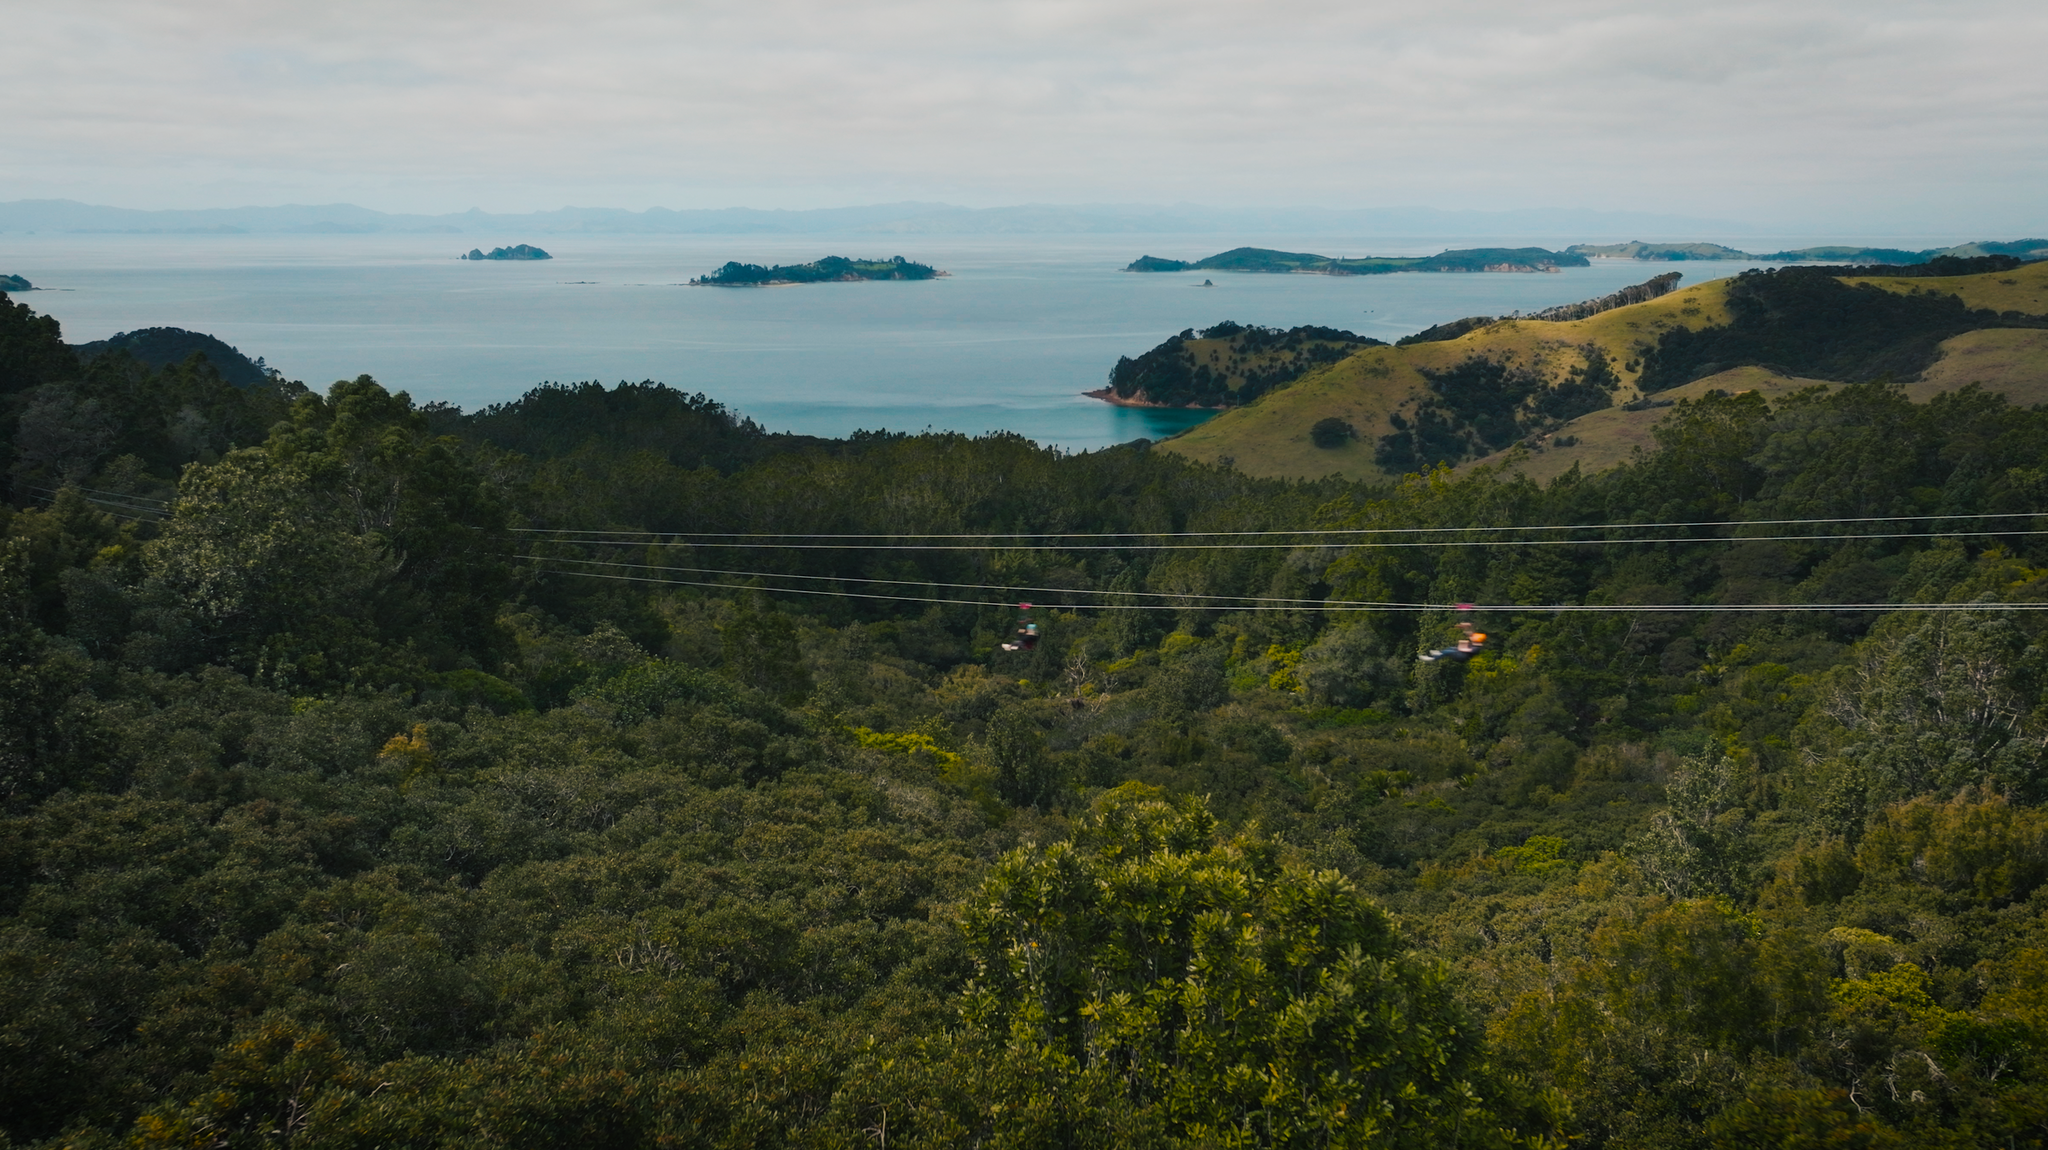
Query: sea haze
(1007, 342)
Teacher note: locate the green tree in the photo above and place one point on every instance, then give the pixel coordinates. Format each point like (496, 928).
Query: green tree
(1026, 775)
(1332, 432)
(369, 457)
(50, 736)
(1237, 998)
(762, 652)
(254, 571)
(32, 349)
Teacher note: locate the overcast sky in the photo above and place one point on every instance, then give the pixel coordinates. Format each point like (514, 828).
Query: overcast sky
(1882, 115)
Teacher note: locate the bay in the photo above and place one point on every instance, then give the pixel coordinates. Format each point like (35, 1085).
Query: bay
(1006, 342)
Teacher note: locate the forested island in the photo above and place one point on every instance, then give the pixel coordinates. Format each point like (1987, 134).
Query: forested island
(831, 269)
(11, 283)
(380, 774)
(516, 252)
(1457, 260)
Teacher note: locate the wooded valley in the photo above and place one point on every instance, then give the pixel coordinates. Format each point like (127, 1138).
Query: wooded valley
(601, 769)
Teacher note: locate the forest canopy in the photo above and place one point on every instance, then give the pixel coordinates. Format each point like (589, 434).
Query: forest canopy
(378, 774)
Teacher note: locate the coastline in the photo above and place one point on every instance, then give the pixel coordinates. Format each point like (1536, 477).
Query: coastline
(1108, 395)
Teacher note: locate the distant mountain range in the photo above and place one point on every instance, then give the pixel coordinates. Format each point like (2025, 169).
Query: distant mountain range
(911, 218)
(2032, 249)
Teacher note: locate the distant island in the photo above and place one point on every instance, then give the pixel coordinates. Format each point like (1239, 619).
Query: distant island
(1638, 250)
(831, 269)
(2015, 250)
(15, 283)
(521, 252)
(1304, 263)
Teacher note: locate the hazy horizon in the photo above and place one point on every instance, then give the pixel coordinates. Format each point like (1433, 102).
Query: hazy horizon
(1880, 118)
(1398, 230)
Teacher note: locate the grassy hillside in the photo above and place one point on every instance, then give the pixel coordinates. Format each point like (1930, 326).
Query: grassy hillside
(2023, 289)
(1608, 438)
(2011, 362)
(1271, 436)
(1378, 391)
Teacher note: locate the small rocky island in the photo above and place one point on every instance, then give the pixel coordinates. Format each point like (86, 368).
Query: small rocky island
(520, 252)
(831, 269)
(15, 283)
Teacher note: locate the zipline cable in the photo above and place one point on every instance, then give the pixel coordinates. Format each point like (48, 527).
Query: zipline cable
(121, 495)
(1008, 587)
(1336, 604)
(135, 511)
(1006, 604)
(1294, 546)
(1302, 531)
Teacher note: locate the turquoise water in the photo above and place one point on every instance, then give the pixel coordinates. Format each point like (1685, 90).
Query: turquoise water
(1007, 342)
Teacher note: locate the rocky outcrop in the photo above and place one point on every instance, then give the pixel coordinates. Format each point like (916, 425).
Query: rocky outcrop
(519, 252)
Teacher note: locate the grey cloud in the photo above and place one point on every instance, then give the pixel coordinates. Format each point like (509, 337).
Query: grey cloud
(1772, 109)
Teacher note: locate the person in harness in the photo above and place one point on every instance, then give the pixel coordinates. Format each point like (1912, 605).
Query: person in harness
(1027, 631)
(1469, 644)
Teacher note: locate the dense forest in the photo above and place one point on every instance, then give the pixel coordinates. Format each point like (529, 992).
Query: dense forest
(600, 769)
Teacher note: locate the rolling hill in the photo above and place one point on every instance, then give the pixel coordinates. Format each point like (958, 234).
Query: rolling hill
(1516, 381)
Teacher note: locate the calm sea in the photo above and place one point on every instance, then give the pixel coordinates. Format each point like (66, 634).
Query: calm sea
(1008, 341)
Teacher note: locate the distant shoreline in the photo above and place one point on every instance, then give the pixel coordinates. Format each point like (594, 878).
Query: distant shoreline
(809, 283)
(1109, 396)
